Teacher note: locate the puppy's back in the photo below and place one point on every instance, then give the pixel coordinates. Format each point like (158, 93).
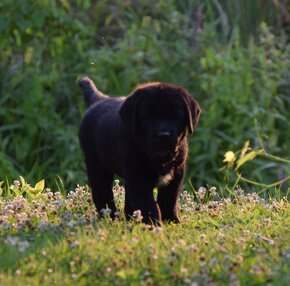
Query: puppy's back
(100, 132)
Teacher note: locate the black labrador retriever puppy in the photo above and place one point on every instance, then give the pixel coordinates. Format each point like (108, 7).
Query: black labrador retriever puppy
(141, 138)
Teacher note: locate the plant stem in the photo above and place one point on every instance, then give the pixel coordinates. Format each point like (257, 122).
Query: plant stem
(265, 154)
(263, 185)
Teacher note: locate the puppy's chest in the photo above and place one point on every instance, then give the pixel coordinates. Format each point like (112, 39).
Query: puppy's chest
(165, 180)
(167, 172)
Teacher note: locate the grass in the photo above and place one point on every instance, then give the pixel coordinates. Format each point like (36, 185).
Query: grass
(50, 239)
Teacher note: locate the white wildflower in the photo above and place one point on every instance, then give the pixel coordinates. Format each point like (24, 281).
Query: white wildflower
(201, 192)
(137, 216)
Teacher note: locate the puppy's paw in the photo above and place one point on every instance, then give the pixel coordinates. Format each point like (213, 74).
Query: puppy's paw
(171, 219)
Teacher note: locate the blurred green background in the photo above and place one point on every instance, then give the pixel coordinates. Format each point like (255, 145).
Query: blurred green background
(232, 55)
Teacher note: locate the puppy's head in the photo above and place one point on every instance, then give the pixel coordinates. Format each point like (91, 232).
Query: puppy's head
(160, 115)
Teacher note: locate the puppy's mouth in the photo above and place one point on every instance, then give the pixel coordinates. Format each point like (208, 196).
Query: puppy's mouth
(165, 153)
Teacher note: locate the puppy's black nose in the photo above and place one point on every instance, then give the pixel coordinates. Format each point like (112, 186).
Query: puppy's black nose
(163, 136)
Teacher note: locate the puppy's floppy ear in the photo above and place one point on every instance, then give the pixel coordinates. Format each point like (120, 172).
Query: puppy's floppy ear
(193, 111)
(128, 111)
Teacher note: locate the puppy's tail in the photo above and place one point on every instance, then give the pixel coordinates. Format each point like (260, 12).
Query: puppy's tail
(91, 93)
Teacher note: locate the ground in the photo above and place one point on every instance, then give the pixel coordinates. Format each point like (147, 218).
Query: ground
(47, 238)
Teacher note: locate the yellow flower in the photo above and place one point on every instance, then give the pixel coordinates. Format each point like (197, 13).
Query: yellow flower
(230, 157)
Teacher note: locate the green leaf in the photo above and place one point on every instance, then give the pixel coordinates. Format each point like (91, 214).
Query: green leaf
(250, 156)
(245, 149)
(22, 180)
(16, 192)
(122, 274)
(1, 189)
(40, 186)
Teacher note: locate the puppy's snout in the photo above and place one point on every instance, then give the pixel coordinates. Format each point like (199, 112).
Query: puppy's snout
(163, 136)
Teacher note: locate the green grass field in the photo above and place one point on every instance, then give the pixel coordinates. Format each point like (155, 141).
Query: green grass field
(47, 238)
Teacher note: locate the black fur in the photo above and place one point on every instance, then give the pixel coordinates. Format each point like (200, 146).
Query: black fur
(141, 138)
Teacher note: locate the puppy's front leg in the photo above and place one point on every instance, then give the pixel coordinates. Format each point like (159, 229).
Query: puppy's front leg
(140, 197)
(168, 197)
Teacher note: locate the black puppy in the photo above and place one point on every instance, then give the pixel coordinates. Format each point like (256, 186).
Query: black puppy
(141, 138)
